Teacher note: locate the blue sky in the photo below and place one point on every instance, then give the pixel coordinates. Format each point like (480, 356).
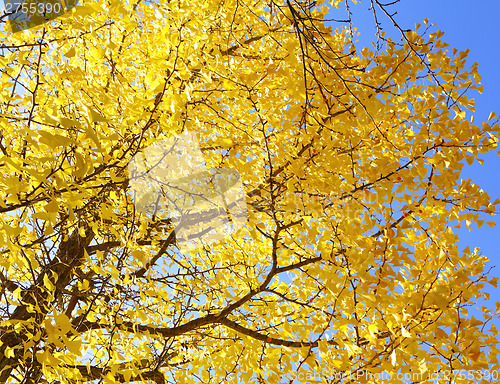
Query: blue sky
(467, 25)
(472, 25)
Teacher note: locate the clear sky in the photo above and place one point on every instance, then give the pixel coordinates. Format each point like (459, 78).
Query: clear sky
(467, 24)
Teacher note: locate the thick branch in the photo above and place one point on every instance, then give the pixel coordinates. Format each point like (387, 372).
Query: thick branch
(69, 255)
(271, 340)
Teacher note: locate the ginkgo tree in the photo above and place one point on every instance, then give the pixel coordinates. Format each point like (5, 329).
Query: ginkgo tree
(348, 265)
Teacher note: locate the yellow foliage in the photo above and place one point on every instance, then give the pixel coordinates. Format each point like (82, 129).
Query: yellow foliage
(349, 161)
